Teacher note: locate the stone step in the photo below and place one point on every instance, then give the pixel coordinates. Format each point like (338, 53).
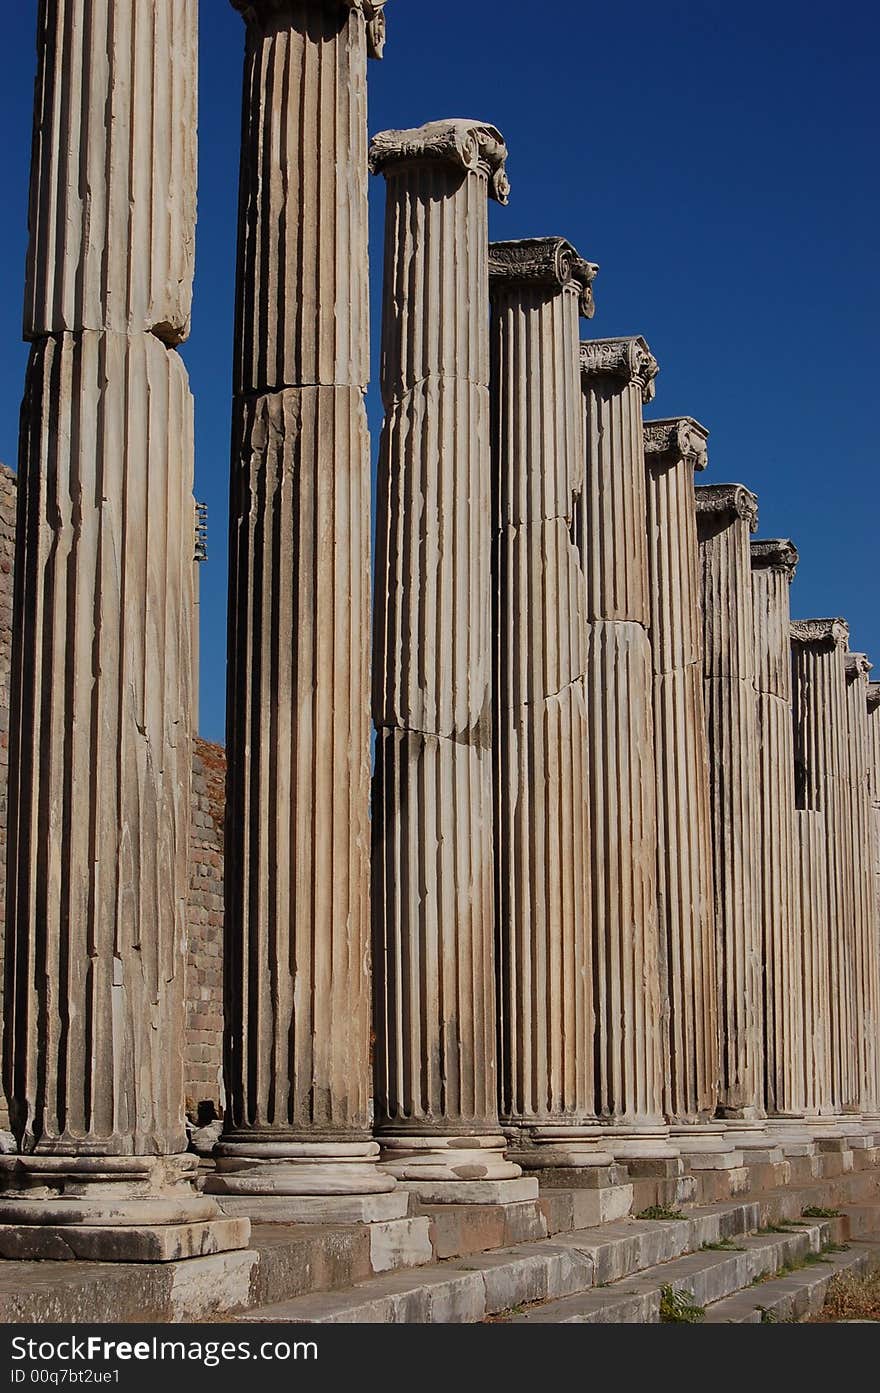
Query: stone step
(285, 1262)
(707, 1275)
(467, 1290)
(795, 1296)
(282, 1261)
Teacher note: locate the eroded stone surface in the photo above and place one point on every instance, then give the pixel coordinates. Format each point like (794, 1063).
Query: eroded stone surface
(610, 528)
(726, 515)
(436, 1079)
(539, 289)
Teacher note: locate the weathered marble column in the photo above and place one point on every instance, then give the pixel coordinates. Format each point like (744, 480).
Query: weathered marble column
(539, 289)
(726, 515)
(820, 731)
(773, 569)
(866, 968)
(101, 704)
(433, 902)
(812, 887)
(674, 449)
(298, 1140)
(873, 720)
(611, 531)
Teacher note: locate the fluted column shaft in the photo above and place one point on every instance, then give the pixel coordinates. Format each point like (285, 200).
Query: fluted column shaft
(538, 290)
(433, 903)
(726, 514)
(866, 968)
(674, 449)
(297, 948)
(773, 569)
(101, 718)
(873, 749)
(621, 790)
(820, 733)
(101, 704)
(812, 886)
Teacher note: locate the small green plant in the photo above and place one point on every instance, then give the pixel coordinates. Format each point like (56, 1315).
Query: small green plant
(771, 1228)
(660, 1211)
(814, 1259)
(815, 1211)
(724, 1245)
(769, 1317)
(679, 1308)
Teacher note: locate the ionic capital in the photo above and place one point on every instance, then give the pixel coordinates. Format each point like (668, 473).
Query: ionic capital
(728, 501)
(262, 11)
(820, 633)
(873, 695)
(628, 359)
(778, 554)
(679, 440)
(466, 145)
(858, 665)
(551, 263)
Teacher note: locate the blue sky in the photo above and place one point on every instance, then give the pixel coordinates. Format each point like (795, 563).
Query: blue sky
(719, 160)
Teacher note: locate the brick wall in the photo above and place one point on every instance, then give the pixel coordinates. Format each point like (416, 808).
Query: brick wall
(204, 985)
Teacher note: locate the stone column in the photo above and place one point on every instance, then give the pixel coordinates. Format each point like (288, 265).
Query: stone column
(873, 720)
(726, 515)
(674, 449)
(866, 968)
(298, 1140)
(200, 556)
(611, 531)
(812, 885)
(773, 569)
(101, 706)
(539, 289)
(820, 728)
(433, 901)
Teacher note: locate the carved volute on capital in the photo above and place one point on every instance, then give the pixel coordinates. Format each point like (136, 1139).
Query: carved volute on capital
(547, 262)
(466, 145)
(820, 633)
(678, 440)
(776, 554)
(727, 501)
(261, 11)
(630, 359)
(873, 695)
(858, 665)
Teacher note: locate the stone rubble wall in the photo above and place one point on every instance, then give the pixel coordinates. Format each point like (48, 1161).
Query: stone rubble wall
(204, 982)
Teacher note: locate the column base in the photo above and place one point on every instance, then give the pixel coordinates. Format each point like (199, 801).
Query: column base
(633, 1142)
(793, 1133)
(318, 1209)
(456, 1169)
(110, 1209)
(572, 1158)
(838, 1127)
(568, 1148)
(704, 1146)
(304, 1182)
(751, 1136)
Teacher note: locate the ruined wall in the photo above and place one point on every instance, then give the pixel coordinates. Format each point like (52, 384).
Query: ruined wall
(204, 985)
(203, 1057)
